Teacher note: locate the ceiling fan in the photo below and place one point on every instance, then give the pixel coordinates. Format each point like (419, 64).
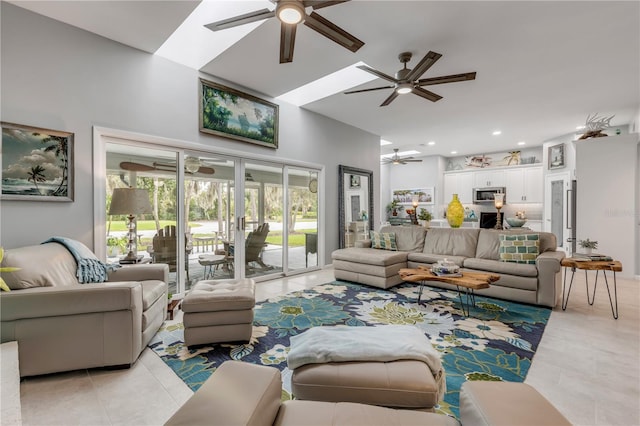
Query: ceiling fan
(396, 159)
(291, 13)
(407, 79)
(190, 167)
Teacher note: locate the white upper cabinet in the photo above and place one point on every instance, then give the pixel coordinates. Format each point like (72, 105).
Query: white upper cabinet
(488, 178)
(458, 183)
(524, 185)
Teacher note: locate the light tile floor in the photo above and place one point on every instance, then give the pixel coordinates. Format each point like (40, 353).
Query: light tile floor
(587, 364)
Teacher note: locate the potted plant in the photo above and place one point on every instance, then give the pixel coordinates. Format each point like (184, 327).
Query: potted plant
(394, 207)
(425, 217)
(588, 245)
(113, 244)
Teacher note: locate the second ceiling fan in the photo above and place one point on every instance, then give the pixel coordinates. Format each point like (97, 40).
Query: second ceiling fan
(291, 13)
(408, 80)
(396, 159)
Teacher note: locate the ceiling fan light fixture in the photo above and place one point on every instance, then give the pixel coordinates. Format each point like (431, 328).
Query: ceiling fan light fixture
(404, 88)
(290, 12)
(191, 164)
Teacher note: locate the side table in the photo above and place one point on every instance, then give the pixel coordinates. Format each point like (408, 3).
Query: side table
(591, 265)
(171, 307)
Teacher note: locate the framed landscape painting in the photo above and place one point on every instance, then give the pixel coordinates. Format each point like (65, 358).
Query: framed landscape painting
(37, 164)
(422, 195)
(232, 114)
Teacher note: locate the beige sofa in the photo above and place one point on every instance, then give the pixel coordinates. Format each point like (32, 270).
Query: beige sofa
(239, 393)
(62, 325)
(472, 249)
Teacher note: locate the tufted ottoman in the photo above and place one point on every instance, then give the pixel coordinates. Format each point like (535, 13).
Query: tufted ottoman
(219, 311)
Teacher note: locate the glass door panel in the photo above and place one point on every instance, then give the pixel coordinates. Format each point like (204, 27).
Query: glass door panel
(209, 183)
(263, 220)
(302, 229)
(154, 170)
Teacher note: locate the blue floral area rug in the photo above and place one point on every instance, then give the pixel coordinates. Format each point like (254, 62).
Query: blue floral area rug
(496, 342)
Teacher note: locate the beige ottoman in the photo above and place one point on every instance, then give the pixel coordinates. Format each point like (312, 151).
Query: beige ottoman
(405, 384)
(219, 311)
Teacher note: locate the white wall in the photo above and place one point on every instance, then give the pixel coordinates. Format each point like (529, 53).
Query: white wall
(60, 77)
(607, 200)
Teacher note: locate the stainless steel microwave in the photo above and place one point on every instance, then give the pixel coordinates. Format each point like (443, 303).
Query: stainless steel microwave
(485, 195)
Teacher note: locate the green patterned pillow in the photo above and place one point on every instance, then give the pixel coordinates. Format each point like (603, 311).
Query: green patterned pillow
(519, 248)
(383, 240)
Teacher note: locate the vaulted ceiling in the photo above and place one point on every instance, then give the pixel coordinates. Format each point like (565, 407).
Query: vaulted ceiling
(542, 67)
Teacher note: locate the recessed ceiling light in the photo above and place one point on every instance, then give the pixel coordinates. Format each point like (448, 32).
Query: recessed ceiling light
(385, 142)
(522, 143)
(580, 127)
(496, 132)
(431, 143)
(454, 152)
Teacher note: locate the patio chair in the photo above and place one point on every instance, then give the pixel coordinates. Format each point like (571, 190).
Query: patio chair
(165, 248)
(255, 243)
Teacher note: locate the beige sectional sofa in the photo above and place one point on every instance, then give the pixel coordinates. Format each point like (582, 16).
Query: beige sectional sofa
(472, 249)
(62, 325)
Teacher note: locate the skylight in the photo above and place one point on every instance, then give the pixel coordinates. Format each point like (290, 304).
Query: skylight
(401, 153)
(328, 85)
(385, 142)
(194, 46)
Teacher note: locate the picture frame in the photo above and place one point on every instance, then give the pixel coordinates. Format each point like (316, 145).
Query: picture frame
(232, 114)
(37, 164)
(354, 182)
(556, 157)
(422, 195)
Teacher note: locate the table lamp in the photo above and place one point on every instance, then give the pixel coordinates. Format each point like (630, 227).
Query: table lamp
(414, 217)
(131, 202)
(498, 202)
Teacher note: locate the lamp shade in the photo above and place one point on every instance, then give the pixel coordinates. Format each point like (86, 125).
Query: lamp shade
(130, 201)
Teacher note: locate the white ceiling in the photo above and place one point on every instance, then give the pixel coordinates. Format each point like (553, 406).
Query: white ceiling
(542, 67)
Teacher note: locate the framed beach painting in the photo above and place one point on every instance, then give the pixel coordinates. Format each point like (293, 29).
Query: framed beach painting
(37, 164)
(407, 196)
(233, 114)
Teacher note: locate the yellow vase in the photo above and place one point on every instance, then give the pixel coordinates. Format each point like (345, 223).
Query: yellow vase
(455, 212)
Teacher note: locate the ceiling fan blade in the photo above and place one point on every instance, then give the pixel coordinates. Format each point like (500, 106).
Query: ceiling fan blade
(332, 31)
(391, 97)
(320, 4)
(426, 94)
(377, 73)
(446, 79)
(287, 42)
(136, 167)
(246, 18)
(368, 90)
(426, 63)
(209, 170)
(166, 167)
(406, 160)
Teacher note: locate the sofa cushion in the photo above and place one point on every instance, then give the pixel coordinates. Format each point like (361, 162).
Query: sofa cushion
(434, 258)
(43, 265)
(408, 238)
(369, 256)
(449, 241)
(509, 268)
(383, 240)
(519, 248)
(489, 242)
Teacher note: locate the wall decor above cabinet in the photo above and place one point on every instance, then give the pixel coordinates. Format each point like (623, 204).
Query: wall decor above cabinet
(496, 159)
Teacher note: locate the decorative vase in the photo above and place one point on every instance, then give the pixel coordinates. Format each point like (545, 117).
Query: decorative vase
(455, 212)
(588, 250)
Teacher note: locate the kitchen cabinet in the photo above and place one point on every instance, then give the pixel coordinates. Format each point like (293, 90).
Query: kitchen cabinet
(524, 185)
(488, 178)
(460, 183)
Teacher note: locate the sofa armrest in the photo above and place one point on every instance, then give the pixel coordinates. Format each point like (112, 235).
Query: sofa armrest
(362, 244)
(254, 390)
(549, 277)
(141, 272)
(42, 302)
(506, 403)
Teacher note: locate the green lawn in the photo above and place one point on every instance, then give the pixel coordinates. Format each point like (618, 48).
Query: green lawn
(145, 225)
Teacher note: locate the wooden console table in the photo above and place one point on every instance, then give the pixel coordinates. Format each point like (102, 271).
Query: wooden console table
(469, 281)
(591, 265)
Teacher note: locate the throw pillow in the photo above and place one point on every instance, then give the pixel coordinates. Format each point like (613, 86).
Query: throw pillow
(519, 248)
(383, 240)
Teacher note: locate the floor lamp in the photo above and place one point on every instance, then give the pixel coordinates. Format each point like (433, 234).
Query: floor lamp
(130, 202)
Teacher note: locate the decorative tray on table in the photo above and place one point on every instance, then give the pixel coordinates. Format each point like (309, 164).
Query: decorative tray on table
(445, 268)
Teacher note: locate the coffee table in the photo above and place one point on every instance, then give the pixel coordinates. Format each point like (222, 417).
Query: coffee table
(469, 281)
(591, 265)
